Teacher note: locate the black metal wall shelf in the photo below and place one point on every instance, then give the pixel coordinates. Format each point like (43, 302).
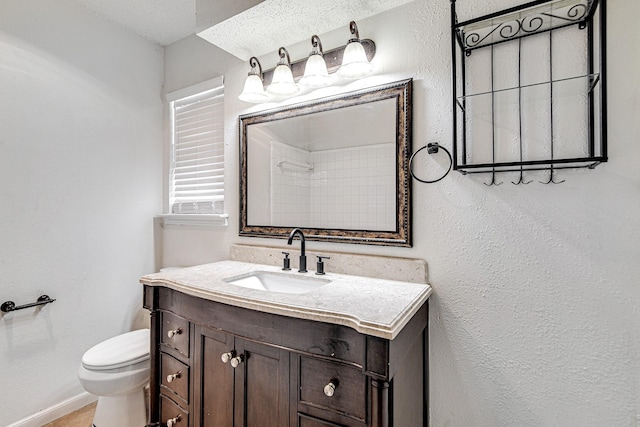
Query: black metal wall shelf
(529, 88)
(590, 79)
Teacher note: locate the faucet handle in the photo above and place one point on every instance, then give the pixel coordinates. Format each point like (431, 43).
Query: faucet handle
(286, 261)
(320, 265)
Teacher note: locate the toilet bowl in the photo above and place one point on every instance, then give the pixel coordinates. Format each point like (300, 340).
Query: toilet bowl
(117, 370)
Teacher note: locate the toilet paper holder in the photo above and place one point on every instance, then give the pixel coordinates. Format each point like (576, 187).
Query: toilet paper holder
(9, 306)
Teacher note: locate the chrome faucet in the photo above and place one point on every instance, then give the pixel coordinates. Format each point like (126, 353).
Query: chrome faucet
(303, 256)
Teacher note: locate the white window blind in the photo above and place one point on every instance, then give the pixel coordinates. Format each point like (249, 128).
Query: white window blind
(197, 164)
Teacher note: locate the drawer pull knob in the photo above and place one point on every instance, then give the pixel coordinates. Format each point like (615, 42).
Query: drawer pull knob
(236, 361)
(174, 332)
(330, 388)
(225, 357)
(173, 421)
(171, 378)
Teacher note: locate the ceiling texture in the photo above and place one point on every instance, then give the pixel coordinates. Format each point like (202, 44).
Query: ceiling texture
(160, 21)
(243, 28)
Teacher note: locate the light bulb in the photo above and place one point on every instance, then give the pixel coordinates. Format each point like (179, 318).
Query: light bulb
(282, 83)
(315, 72)
(253, 90)
(354, 62)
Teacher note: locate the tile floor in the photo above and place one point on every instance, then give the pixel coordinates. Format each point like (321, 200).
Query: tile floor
(80, 418)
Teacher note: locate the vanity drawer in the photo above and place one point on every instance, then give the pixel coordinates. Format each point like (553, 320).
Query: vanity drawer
(175, 333)
(175, 376)
(349, 396)
(306, 421)
(169, 410)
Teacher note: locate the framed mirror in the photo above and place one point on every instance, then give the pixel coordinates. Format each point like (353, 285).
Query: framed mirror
(338, 168)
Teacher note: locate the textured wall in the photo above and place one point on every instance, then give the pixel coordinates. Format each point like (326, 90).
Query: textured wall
(534, 320)
(80, 156)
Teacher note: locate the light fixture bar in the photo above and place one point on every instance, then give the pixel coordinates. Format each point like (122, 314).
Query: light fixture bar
(333, 59)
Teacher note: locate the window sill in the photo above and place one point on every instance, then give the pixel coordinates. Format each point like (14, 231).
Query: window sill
(195, 220)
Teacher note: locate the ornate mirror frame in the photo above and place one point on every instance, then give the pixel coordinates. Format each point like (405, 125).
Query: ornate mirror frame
(401, 236)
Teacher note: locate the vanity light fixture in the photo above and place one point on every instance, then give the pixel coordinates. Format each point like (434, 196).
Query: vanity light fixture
(349, 62)
(282, 83)
(315, 70)
(254, 86)
(354, 61)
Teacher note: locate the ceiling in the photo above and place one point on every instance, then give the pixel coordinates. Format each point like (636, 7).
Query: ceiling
(243, 28)
(160, 21)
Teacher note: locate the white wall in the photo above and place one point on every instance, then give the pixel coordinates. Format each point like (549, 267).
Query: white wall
(187, 62)
(534, 320)
(81, 174)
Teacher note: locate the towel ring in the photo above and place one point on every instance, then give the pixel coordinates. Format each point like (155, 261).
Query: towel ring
(432, 148)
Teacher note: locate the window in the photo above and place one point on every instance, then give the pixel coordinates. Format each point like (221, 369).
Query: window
(196, 170)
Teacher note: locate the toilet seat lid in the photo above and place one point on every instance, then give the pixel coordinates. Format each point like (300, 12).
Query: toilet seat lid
(119, 351)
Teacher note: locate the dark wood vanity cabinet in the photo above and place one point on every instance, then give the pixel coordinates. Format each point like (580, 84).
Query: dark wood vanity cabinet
(249, 388)
(216, 365)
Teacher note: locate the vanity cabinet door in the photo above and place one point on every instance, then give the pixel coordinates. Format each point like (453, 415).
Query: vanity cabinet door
(239, 383)
(213, 379)
(261, 386)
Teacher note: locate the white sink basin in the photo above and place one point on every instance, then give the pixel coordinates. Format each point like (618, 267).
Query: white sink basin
(277, 282)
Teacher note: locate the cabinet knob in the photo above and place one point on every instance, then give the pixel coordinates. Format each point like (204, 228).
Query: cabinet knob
(173, 421)
(236, 361)
(330, 388)
(225, 357)
(174, 332)
(171, 378)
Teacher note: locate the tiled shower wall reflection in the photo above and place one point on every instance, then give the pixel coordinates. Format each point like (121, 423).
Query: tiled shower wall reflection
(290, 185)
(349, 188)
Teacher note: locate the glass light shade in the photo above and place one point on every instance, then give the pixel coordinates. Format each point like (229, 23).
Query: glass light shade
(282, 83)
(315, 72)
(354, 62)
(253, 90)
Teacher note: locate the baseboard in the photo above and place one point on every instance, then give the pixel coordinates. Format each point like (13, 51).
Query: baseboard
(56, 411)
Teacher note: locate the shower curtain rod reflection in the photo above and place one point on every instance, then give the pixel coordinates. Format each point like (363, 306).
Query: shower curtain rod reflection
(286, 164)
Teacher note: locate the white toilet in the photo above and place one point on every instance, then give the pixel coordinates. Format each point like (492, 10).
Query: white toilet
(117, 370)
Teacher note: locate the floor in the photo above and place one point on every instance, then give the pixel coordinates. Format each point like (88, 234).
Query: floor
(80, 418)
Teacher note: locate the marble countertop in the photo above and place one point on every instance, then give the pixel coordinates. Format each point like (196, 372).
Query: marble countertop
(371, 306)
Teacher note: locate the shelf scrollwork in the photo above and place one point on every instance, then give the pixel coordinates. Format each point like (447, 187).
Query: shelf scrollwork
(490, 32)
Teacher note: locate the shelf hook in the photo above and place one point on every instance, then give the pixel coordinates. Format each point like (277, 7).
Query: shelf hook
(493, 180)
(551, 178)
(521, 180)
